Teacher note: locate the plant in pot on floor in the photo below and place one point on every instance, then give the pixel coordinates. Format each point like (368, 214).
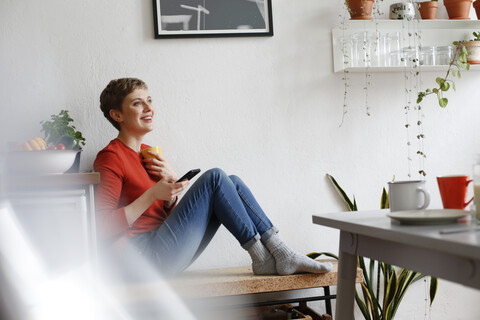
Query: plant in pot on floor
(428, 9)
(383, 286)
(61, 134)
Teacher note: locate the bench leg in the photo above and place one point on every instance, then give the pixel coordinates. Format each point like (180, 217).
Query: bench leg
(328, 301)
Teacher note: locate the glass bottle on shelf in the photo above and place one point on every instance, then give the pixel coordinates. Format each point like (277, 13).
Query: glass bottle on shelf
(372, 48)
(345, 44)
(359, 58)
(427, 56)
(444, 55)
(393, 52)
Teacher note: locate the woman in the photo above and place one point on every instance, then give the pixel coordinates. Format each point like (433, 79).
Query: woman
(138, 197)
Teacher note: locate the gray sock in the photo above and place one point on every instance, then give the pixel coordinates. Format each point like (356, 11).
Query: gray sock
(290, 262)
(262, 260)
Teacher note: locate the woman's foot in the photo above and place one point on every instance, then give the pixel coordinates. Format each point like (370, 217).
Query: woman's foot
(290, 262)
(263, 261)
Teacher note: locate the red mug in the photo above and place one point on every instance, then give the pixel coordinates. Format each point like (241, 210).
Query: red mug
(453, 190)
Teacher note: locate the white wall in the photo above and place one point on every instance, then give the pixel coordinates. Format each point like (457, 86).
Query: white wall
(265, 108)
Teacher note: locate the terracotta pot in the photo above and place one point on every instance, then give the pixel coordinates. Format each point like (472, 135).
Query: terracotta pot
(458, 9)
(428, 10)
(476, 5)
(473, 48)
(360, 9)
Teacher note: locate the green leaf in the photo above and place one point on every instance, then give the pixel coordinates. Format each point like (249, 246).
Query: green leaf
(390, 295)
(433, 289)
(342, 194)
(443, 102)
(315, 255)
(440, 81)
(362, 306)
(454, 72)
(445, 86)
(384, 203)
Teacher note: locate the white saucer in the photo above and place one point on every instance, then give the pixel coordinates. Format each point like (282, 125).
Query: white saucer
(433, 216)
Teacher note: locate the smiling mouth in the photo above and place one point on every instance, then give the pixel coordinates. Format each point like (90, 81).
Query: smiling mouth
(147, 118)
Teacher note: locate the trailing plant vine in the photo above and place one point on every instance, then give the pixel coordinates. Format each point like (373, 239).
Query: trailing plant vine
(458, 63)
(346, 61)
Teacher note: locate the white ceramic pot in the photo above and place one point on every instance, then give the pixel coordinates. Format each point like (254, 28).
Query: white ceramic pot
(402, 10)
(473, 48)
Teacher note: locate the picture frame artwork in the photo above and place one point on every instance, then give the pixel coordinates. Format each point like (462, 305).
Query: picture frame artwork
(212, 18)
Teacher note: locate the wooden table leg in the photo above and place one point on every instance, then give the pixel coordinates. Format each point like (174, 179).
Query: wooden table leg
(347, 269)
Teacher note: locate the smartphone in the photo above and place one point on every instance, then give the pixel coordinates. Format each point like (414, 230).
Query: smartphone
(189, 175)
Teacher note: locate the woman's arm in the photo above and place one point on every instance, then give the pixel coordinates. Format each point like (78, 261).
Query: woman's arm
(162, 190)
(115, 218)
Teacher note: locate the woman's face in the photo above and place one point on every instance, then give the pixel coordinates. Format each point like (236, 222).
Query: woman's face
(137, 113)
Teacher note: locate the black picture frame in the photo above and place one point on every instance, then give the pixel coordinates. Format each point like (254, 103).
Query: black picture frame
(212, 18)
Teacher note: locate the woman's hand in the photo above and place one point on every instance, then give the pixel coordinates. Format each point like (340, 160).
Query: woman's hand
(168, 191)
(159, 167)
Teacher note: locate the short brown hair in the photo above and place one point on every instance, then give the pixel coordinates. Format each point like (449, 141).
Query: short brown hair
(112, 96)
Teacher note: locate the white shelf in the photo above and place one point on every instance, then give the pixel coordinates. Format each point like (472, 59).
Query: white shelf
(432, 33)
(402, 69)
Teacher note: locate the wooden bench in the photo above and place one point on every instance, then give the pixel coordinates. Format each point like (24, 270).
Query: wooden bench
(238, 287)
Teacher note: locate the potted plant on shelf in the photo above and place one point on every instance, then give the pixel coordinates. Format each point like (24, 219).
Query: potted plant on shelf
(61, 134)
(428, 9)
(476, 5)
(360, 9)
(473, 49)
(458, 9)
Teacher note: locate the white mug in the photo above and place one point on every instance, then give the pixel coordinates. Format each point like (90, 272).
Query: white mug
(408, 195)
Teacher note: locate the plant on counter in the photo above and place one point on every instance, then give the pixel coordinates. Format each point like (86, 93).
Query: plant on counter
(60, 133)
(377, 305)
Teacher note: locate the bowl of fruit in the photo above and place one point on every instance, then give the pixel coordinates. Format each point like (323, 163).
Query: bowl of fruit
(35, 157)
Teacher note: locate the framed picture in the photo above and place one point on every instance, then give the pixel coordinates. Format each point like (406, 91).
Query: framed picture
(212, 18)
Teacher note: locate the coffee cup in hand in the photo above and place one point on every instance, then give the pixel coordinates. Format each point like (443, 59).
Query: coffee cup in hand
(147, 155)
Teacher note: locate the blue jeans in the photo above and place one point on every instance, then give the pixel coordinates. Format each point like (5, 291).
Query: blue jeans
(213, 199)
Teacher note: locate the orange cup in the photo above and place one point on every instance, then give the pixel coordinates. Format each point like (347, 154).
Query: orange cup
(147, 155)
(453, 190)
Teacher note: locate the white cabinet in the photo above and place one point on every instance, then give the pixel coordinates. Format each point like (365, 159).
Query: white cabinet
(57, 215)
(428, 32)
(55, 223)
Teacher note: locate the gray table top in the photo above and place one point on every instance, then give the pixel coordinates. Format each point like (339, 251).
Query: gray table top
(377, 224)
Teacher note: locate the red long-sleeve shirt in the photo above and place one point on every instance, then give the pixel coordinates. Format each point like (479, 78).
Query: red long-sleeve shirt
(123, 178)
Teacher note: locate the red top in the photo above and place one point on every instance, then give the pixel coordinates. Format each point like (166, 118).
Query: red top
(123, 178)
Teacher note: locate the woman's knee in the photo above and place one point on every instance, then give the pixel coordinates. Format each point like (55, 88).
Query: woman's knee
(214, 174)
(236, 180)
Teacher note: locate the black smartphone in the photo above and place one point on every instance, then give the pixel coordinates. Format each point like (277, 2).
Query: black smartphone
(189, 175)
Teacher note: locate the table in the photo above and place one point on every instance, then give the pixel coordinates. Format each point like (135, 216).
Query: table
(454, 257)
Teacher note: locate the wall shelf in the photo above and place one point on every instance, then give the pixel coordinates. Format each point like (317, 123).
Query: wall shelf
(432, 33)
(402, 69)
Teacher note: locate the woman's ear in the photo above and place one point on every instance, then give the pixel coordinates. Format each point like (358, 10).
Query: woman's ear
(115, 115)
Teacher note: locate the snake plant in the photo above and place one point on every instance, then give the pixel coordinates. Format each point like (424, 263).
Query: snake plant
(374, 303)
